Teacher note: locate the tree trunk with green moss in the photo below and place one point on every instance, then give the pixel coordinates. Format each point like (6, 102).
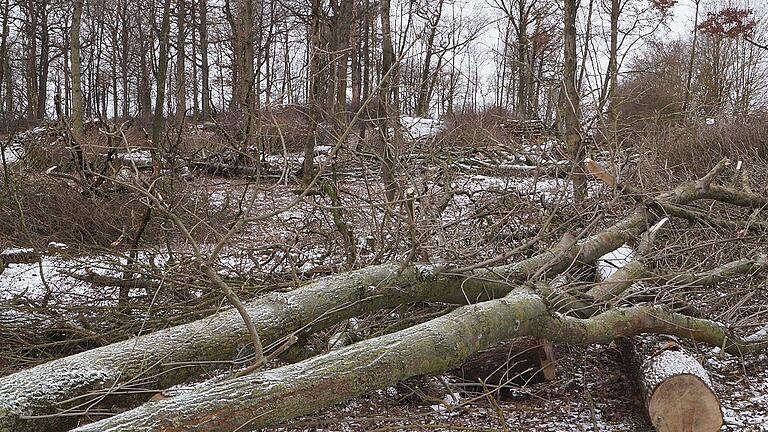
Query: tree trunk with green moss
(170, 356)
(267, 398)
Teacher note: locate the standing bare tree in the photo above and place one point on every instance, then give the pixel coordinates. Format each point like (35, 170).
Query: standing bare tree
(77, 93)
(572, 109)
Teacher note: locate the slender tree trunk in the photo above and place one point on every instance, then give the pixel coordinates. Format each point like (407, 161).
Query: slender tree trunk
(422, 104)
(181, 65)
(124, 56)
(315, 82)
(30, 34)
(613, 102)
(162, 70)
(77, 93)
(5, 84)
(195, 66)
(204, 67)
(342, 35)
(691, 60)
(388, 110)
(43, 62)
(522, 61)
(356, 63)
(245, 83)
(572, 107)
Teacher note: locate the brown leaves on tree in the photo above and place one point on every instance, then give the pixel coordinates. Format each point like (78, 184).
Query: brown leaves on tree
(663, 5)
(728, 22)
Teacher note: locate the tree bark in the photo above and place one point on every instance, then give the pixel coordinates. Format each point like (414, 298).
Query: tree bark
(613, 70)
(161, 77)
(388, 110)
(181, 80)
(268, 398)
(77, 93)
(425, 83)
(314, 96)
(44, 61)
(204, 67)
(573, 138)
(519, 361)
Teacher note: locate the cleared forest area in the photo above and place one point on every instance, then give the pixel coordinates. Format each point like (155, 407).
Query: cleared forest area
(370, 215)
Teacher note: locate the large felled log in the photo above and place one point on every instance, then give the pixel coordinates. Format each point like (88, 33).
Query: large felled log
(262, 399)
(162, 359)
(156, 360)
(676, 390)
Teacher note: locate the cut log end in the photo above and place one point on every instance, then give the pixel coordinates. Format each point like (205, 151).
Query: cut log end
(677, 391)
(684, 403)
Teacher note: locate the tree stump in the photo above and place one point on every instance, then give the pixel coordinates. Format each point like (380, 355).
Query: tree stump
(676, 390)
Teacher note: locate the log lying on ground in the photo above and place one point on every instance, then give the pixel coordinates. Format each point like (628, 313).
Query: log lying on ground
(155, 361)
(519, 361)
(17, 256)
(676, 390)
(271, 397)
(162, 359)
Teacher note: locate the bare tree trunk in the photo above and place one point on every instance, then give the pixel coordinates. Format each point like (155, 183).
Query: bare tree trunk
(77, 93)
(44, 61)
(30, 34)
(573, 140)
(422, 104)
(388, 110)
(205, 70)
(181, 65)
(315, 82)
(243, 43)
(5, 85)
(613, 102)
(342, 31)
(356, 63)
(522, 60)
(692, 59)
(160, 78)
(124, 57)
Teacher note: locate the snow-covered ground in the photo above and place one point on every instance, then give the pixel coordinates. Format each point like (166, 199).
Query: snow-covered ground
(11, 154)
(420, 127)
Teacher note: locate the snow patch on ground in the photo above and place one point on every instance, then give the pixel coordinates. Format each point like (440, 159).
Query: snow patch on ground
(11, 154)
(420, 127)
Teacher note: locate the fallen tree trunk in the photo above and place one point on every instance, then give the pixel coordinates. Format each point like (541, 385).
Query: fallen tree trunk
(271, 397)
(36, 398)
(676, 390)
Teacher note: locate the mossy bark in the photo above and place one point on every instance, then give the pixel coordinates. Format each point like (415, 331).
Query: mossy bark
(165, 358)
(267, 398)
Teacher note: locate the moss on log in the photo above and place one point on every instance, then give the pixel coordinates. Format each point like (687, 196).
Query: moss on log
(275, 396)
